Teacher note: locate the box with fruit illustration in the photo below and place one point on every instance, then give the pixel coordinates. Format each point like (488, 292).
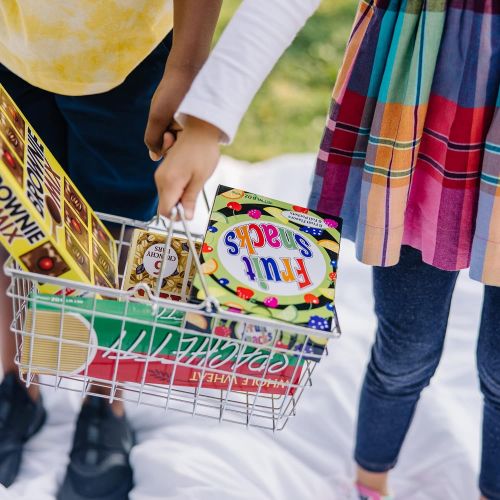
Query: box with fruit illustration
(45, 223)
(271, 259)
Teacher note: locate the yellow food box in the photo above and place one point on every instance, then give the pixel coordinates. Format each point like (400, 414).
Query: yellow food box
(45, 223)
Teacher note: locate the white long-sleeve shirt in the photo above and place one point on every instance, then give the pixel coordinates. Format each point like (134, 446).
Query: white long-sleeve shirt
(250, 46)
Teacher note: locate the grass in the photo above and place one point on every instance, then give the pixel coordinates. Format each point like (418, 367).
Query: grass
(288, 114)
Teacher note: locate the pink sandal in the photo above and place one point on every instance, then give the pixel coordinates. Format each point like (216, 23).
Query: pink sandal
(366, 493)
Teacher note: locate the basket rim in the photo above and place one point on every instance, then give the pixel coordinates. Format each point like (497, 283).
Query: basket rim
(207, 306)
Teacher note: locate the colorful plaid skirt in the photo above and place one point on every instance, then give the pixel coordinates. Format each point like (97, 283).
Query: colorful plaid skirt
(411, 151)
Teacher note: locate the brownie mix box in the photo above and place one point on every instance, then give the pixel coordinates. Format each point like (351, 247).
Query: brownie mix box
(45, 223)
(97, 336)
(271, 259)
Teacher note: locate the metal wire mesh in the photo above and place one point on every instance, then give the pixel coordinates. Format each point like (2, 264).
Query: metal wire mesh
(169, 362)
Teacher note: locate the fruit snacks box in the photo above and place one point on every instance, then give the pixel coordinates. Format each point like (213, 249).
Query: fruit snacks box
(271, 259)
(146, 260)
(45, 223)
(103, 336)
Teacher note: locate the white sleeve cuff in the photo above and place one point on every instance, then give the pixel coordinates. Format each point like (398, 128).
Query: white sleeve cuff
(209, 112)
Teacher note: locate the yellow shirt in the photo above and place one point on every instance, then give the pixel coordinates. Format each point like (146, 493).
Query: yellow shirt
(78, 47)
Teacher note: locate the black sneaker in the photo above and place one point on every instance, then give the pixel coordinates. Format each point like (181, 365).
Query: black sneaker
(20, 419)
(99, 467)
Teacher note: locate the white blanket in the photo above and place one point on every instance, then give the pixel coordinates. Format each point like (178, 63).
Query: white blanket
(186, 458)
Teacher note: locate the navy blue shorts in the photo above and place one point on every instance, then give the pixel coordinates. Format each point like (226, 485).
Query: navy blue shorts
(99, 139)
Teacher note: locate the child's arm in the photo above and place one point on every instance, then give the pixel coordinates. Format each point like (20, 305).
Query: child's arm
(194, 25)
(250, 46)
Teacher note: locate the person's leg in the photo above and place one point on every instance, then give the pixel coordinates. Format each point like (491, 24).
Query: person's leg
(107, 158)
(488, 361)
(21, 410)
(7, 341)
(412, 302)
(110, 164)
(40, 109)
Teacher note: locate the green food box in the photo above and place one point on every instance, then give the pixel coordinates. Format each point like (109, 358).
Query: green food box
(271, 259)
(127, 342)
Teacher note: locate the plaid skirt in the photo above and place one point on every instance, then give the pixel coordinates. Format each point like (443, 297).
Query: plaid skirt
(411, 150)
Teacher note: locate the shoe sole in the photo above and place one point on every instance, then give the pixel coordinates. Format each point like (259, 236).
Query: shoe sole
(67, 492)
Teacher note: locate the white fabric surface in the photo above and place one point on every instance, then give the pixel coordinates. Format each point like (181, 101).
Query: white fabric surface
(183, 458)
(245, 54)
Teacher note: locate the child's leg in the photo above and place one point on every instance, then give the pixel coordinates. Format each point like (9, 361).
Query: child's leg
(412, 302)
(110, 164)
(488, 359)
(40, 109)
(7, 340)
(22, 411)
(42, 112)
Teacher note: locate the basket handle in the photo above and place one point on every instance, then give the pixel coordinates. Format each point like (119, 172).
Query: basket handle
(210, 303)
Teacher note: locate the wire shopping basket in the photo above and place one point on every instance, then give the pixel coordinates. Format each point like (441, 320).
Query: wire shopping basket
(198, 359)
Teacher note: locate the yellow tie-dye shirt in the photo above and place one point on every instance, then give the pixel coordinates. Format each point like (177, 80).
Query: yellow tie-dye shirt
(79, 47)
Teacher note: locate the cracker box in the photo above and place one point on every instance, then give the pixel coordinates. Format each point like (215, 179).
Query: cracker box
(271, 259)
(145, 262)
(45, 223)
(112, 338)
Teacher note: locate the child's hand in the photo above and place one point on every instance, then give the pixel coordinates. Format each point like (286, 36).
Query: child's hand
(161, 130)
(187, 166)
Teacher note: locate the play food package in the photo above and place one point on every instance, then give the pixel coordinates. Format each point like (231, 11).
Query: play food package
(303, 347)
(145, 262)
(45, 223)
(103, 336)
(271, 259)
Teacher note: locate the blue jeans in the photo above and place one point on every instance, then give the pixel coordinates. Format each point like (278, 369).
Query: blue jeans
(412, 304)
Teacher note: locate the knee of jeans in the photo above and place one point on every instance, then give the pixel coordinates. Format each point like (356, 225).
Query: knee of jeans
(489, 377)
(396, 379)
